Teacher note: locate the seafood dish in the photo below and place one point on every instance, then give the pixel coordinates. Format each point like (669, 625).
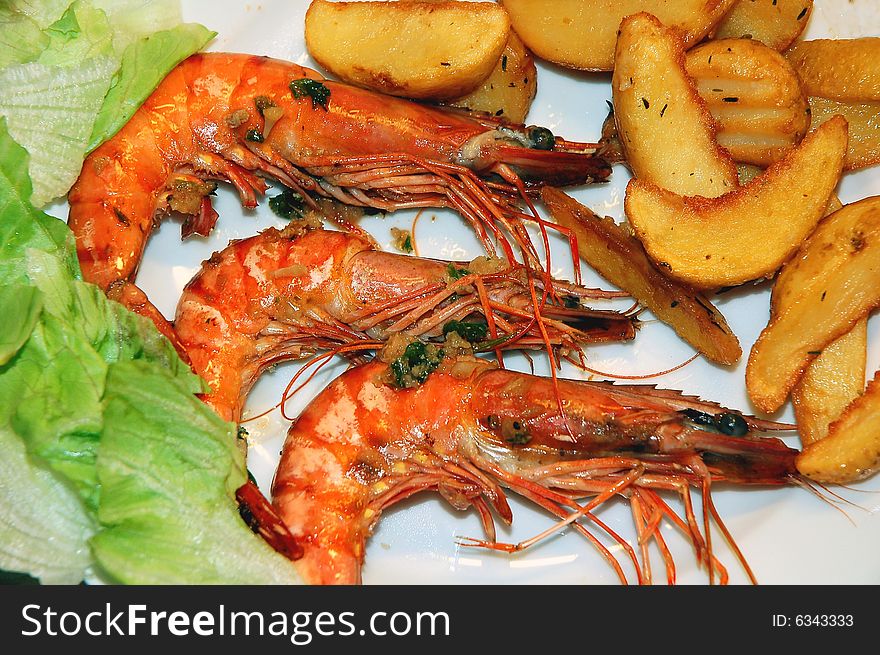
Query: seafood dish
(376, 296)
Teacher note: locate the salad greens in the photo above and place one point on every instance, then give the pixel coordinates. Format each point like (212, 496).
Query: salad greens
(73, 75)
(155, 423)
(112, 467)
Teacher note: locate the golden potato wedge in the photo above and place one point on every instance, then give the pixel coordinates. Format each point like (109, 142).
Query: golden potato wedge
(851, 451)
(665, 129)
(582, 33)
(840, 69)
(786, 294)
(864, 128)
(748, 233)
(423, 50)
(754, 96)
(776, 23)
(511, 86)
(833, 281)
(831, 382)
(619, 258)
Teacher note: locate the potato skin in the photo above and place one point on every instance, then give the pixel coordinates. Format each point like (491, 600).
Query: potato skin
(619, 258)
(718, 242)
(829, 285)
(581, 34)
(851, 451)
(839, 69)
(509, 90)
(665, 128)
(421, 50)
(754, 95)
(864, 128)
(775, 23)
(831, 382)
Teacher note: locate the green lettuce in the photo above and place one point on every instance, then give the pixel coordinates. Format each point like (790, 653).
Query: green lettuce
(156, 526)
(110, 463)
(44, 527)
(58, 62)
(21, 39)
(51, 111)
(20, 308)
(144, 64)
(81, 33)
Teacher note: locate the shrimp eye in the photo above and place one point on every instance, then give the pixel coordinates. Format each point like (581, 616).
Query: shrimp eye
(733, 425)
(699, 418)
(542, 138)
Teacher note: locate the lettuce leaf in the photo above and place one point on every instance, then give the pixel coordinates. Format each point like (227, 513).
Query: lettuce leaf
(81, 33)
(20, 308)
(42, 12)
(144, 64)
(44, 527)
(107, 451)
(22, 227)
(21, 39)
(169, 468)
(50, 111)
(131, 20)
(57, 63)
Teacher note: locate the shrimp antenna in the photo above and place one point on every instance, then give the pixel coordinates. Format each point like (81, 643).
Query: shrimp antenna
(319, 361)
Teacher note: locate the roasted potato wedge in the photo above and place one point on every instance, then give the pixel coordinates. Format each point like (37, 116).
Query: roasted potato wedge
(786, 294)
(748, 233)
(851, 451)
(839, 69)
(754, 95)
(775, 23)
(832, 282)
(619, 258)
(864, 128)
(423, 50)
(831, 382)
(582, 33)
(511, 86)
(667, 133)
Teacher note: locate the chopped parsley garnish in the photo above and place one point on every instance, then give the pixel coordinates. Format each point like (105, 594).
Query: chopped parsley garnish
(313, 89)
(254, 135)
(456, 273)
(402, 240)
(414, 366)
(287, 204)
(470, 331)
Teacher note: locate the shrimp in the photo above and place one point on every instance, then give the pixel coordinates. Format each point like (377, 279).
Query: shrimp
(283, 295)
(472, 429)
(240, 118)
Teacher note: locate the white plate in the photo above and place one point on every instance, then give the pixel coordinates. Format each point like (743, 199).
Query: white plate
(787, 535)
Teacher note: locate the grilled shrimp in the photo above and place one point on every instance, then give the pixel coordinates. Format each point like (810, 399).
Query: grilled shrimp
(283, 295)
(472, 429)
(237, 118)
